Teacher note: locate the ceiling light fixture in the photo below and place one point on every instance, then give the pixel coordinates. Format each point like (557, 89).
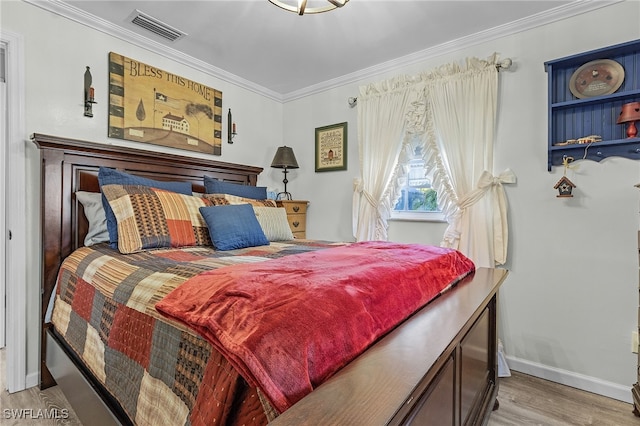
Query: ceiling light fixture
(300, 6)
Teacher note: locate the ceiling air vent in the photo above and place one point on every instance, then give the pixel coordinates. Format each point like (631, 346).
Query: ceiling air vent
(155, 26)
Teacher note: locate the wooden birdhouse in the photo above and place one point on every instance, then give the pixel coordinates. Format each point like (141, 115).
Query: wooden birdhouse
(564, 187)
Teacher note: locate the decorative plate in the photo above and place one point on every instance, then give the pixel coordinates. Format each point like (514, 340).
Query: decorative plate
(596, 78)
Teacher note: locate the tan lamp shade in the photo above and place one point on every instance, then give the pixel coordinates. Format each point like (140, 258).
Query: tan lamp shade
(630, 112)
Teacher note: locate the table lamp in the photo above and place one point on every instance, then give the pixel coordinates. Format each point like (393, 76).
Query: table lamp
(284, 159)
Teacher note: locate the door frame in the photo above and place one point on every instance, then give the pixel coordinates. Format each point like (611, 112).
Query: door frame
(15, 248)
(3, 204)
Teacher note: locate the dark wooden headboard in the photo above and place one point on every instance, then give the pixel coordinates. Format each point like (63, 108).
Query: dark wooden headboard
(69, 165)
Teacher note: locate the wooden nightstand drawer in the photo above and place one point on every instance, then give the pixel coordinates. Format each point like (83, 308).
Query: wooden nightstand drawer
(297, 222)
(293, 206)
(296, 216)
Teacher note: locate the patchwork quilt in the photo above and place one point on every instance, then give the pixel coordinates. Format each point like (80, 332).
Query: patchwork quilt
(159, 371)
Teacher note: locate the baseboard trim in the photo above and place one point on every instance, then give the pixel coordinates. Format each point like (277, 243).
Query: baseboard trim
(32, 380)
(569, 378)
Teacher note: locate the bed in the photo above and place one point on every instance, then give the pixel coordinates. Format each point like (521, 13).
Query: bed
(438, 366)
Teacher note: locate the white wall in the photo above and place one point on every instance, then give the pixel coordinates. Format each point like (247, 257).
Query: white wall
(55, 63)
(570, 303)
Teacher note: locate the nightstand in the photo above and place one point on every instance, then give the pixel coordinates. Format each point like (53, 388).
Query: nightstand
(296, 215)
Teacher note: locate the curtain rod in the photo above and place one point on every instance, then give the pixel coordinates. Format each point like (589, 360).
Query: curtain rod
(504, 64)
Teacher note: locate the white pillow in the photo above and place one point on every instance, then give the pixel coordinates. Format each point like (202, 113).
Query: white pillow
(273, 221)
(94, 212)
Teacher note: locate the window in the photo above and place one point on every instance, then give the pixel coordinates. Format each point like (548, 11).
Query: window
(418, 200)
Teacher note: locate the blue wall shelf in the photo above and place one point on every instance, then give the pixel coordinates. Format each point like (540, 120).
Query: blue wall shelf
(570, 117)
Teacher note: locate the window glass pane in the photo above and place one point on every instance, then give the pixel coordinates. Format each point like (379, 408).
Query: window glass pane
(416, 193)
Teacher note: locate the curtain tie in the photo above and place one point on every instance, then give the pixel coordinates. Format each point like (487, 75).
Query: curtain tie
(487, 179)
(500, 228)
(358, 193)
(357, 184)
(485, 183)
(355, 208)
(488, 182)
(358, 189)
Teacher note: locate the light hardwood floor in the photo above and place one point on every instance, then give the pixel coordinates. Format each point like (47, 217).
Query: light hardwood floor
(528, 400)
(524, 400)
(33, 407)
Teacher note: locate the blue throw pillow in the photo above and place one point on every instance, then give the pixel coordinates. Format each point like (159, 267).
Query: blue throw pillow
(233, 226)
(107, 176)
(215, 186)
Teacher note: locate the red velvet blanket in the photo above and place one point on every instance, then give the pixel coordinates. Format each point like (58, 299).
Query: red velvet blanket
(287, 324)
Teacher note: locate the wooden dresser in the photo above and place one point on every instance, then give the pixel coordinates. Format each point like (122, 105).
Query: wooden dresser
(296, 215)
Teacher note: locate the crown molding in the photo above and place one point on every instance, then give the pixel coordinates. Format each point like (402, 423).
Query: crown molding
(568, 10)
(553, 15)
(68, 11)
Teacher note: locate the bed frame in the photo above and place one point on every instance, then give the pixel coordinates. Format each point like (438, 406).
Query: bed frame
(67, 166)
(447, 375)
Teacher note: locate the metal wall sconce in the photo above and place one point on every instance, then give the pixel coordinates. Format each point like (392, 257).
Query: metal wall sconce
(89, 95)
(231, 128)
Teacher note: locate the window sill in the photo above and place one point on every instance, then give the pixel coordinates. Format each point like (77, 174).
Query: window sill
(418, 217)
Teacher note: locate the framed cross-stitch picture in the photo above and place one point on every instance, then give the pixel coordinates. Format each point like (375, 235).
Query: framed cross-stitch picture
(331, 147)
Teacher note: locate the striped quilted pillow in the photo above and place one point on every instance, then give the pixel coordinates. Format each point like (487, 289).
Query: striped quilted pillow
(274, 223)
(234, 199)
(150, 218)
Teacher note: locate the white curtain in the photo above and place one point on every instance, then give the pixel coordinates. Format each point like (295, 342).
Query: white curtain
(381, 122)
(453, 109)
(463, 106)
